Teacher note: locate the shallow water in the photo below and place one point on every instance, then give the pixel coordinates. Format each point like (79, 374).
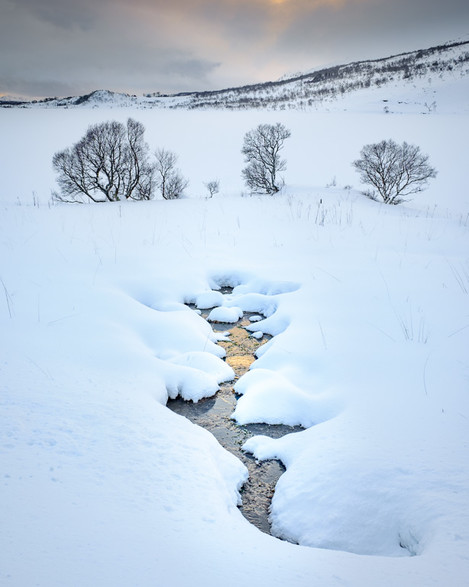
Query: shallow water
(214, 414)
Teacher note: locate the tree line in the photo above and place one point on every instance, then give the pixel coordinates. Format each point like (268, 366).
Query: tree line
(112, 162)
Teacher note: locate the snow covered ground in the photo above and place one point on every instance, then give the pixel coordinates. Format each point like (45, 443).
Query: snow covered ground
(101, 484)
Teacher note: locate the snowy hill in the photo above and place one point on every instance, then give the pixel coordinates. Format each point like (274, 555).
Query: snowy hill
(418, 75)
(417, 81)
(93, 99)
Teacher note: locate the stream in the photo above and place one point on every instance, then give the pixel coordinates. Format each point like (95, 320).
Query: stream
(214, 414)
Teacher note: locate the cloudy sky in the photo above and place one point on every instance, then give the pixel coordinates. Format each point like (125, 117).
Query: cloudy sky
(69, 47)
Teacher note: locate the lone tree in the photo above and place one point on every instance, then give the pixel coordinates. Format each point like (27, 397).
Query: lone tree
(261, 149)
(395, 171)
(169, 179)
(213, 187)
(110, 163)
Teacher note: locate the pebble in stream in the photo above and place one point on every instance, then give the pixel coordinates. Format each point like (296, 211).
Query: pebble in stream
(214, 414)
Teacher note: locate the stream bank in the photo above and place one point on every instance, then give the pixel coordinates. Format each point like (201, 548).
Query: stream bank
(214, 414)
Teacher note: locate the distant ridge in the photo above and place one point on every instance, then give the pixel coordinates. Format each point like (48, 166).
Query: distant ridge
(414, 70)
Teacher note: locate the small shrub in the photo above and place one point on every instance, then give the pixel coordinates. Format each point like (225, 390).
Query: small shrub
(170, 182)
(213, 187)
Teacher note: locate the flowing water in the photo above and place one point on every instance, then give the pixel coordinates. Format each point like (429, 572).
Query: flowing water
(214, 414)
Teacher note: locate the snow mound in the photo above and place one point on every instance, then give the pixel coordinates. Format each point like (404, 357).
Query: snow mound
(209, 299)
(370, 512)
(207, 363)
(269, 397)
(265, 287)
(225, 314)
(259, 334)
(254, 302)
(189, 383)
(255, 318)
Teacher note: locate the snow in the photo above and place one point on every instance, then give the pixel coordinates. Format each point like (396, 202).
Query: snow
(255, 318)
(271, 397)
(224, 314)
(259, 334)
(368, 308)
(208, 299)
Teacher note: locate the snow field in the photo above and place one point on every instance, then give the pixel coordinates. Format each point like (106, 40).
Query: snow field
(368, 308)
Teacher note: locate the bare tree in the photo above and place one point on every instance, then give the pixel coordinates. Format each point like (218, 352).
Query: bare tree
(261, 149)
(170, 181)
(213, 187)
(141, 174)
(110, 163)
(395, 171)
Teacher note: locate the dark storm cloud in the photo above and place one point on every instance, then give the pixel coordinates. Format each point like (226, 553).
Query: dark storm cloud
(176, 72)
(74, 46)
(117, 49)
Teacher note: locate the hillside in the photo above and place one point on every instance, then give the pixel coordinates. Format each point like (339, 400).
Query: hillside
(409, 82)
(418, 70)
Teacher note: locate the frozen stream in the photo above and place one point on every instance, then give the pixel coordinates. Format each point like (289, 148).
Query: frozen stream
(214, 414)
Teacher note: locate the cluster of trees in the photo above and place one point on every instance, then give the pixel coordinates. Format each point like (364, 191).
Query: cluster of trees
(112, 163)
